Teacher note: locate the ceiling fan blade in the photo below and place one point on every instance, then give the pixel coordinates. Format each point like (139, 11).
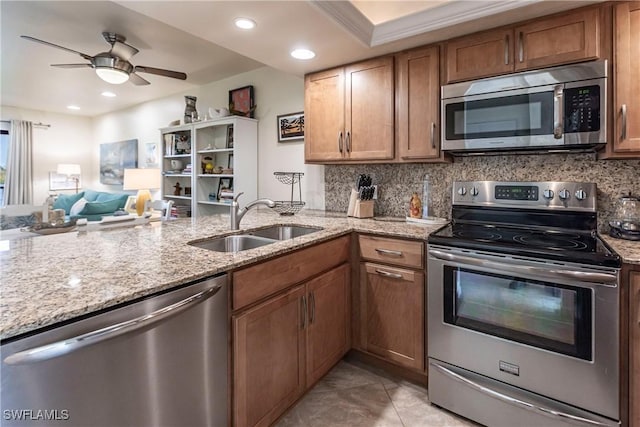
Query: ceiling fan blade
(71, 65)
(161, 72)
(123, 50)
(137, 80)
(33, 39)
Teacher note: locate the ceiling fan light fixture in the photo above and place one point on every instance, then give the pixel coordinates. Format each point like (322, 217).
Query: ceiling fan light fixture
(112, 76)
(245, 23)
(303, 54)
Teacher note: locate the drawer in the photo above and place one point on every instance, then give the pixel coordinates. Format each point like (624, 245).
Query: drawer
(258, 281)
(403, 253)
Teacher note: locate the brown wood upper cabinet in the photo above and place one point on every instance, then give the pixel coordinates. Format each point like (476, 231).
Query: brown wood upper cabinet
(417, 104)
(626, 138)
(350, 112)
(560, 39)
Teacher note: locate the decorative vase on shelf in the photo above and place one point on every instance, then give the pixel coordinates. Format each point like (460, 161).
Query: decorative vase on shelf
(190, 108)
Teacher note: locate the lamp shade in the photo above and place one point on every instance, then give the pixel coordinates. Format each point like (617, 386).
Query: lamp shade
(141, 179)
(68, 169)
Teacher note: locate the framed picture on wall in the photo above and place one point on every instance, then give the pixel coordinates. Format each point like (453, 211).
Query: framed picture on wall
(60, 181)
(115, 157)
(241, 101)
(291, 127)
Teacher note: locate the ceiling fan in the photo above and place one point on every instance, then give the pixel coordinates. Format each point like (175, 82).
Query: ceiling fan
(114, 66)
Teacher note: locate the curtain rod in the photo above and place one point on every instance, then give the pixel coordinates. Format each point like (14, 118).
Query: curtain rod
(39, 124)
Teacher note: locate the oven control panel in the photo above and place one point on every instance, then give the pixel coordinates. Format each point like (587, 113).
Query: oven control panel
(579, 196)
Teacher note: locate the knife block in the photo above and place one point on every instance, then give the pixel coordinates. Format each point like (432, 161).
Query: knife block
(363, 209)
(359, 208)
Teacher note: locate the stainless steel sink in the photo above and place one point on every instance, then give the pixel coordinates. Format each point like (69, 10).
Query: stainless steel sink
(284, 232)
(236, 243)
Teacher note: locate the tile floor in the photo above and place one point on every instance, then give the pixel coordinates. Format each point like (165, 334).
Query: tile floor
(354, 395)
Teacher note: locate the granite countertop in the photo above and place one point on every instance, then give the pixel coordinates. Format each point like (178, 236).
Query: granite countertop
(50, 279)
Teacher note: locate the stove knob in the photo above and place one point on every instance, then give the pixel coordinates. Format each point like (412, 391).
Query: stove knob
(564, 194)
(548, 194)
(581, 194)
(462, 191)
(474, 191)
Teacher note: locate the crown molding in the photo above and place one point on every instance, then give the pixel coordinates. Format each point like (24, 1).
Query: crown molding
(442, 16)
(349, 17)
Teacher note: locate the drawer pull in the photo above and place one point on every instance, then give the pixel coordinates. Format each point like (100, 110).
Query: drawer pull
(312, 311)
(388, 274)
(303, 303)
(389, 252)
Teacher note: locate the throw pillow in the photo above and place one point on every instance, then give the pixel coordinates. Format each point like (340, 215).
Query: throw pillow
(96, 208)
(65, 201)
(108, 197)
(77, 207)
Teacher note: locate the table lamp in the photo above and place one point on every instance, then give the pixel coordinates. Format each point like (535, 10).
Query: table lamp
(142, 180)
(72, 171)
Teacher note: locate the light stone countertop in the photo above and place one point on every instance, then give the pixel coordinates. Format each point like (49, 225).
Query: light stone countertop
(49, 279)
(45, 280)
(627, 249)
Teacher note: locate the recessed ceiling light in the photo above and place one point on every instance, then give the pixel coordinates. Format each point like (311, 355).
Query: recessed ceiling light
(73, 107)
(245, 23)
(108, 94)
(303, 54)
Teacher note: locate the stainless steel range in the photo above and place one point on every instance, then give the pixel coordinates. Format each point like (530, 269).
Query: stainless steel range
(523, 311)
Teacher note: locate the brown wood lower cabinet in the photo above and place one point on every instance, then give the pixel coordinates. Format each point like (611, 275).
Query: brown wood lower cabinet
(284, 345)
(634, 349)
(392, 309)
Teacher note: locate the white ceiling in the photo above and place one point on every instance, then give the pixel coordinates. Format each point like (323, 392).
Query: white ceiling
(199, 38)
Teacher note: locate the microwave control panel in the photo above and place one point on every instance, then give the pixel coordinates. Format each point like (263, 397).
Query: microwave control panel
(582, 109)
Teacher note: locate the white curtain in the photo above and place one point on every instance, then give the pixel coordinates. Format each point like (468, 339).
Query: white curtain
(18, 184)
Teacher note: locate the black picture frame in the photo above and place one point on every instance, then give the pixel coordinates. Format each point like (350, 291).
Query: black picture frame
(290, 127)
(224, 183)
(241, 101)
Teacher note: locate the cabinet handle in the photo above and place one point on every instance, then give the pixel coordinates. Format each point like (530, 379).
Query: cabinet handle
(340, 142)
(388, 252)
(506, 49)
(388, 274)
(623, 131)
(558, 112)
(433, 135)
(348, 142)
(312, 311)
(303, 302)
(520, 47)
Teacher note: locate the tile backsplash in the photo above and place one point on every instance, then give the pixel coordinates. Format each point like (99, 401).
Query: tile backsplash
(397, 182)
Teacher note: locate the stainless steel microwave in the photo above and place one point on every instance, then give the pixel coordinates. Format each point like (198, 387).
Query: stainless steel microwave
(551, 109)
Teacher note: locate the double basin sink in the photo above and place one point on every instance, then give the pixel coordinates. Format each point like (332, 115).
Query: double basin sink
(254, 239)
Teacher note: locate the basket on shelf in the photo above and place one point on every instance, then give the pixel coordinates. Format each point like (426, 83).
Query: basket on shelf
(289, 207)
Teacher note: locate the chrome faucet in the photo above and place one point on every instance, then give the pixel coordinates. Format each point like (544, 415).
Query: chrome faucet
(237, 213)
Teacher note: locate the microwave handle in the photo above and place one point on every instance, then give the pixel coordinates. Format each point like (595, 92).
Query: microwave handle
(558, 111)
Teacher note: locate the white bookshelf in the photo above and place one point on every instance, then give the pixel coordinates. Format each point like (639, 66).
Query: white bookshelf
(211, 139)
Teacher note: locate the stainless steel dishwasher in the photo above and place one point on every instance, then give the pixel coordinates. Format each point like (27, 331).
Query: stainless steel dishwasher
(160, 361)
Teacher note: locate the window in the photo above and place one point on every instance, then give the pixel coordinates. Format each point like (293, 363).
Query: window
(4, 151)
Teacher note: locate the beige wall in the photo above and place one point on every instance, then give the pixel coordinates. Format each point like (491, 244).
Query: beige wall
(275, 93)
(69, 139)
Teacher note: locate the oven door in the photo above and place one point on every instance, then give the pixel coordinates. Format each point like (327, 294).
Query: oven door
(548, 328)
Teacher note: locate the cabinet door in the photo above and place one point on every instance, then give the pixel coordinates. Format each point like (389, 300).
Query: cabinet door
(324, 137)
(369, 110)
(392, 314)
(627, 78)
(571, 37)
(269, 347)
(418, 95)
(480, 55)
(328, 314)
(634, 347)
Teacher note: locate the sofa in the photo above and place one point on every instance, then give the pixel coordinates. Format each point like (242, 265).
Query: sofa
(90, 204)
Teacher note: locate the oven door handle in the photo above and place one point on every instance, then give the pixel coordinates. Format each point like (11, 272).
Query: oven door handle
(513, 401)
(512, 267)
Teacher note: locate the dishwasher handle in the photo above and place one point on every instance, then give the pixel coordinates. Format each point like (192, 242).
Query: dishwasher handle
(66, 346)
